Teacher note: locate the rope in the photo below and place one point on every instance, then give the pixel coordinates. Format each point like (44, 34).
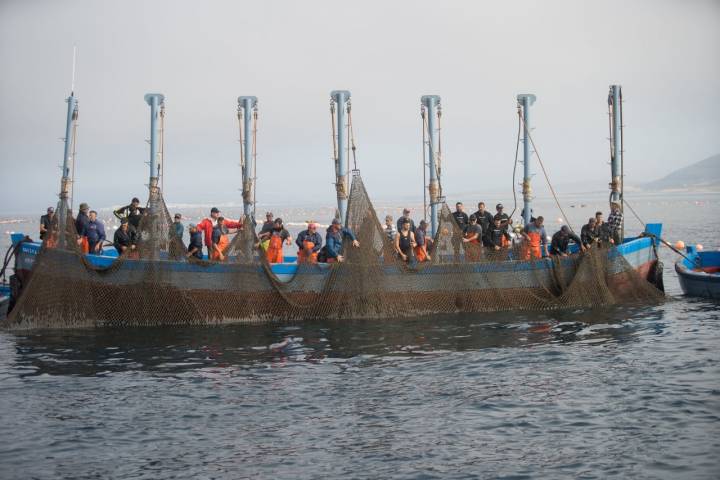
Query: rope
(517, 151)
(352, 137)
(552, 190)
(334, 137)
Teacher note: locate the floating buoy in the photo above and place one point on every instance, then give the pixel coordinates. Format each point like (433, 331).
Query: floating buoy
(699, 247)
(680, 245)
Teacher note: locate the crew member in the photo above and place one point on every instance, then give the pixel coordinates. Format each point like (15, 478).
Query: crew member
(484, 220)
(405, 216)
(334, 239)
(614, 222)
(390, 230)
(178, 226)
(560, 244)
(422, 242)
(589, 233)
(94, 232)
(80, 222)
(460, 216)
(498, 237)
(207, 224)
(505, 221)
(405, 240)
(124, 238)
(196, 242)
(537, 238)
(266, 231)
(219, 240)
(47, 222)
(472, 239)
(309, 243)
(278, 235)
(132, 212)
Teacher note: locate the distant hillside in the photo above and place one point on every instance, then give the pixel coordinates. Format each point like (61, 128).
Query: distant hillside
(704, 174)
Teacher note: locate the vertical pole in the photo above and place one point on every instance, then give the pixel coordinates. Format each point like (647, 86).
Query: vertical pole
(432, 103)
(72, 114)
(342, 183)
(525, 100)
(154, 100)
(616, 151)
(248, 106)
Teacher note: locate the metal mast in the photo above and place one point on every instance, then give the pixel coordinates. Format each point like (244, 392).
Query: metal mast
(247, 108)
(342, 183)
(155, 100)
(525, 100)
(616, 153)
(431, 111)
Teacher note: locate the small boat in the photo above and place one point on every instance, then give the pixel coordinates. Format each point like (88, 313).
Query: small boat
(699, 273)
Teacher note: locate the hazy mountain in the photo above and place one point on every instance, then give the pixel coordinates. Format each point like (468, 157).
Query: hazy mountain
(703, 175)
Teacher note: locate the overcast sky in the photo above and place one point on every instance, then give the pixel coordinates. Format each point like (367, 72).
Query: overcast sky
(476, 55)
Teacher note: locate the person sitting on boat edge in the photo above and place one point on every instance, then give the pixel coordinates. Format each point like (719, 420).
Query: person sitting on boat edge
(498, 237)
(133, 212)
(334, 241)
(422, 242)
(405, 240)
(614, 222)
(309, 243)
(472, 239)
(81, 220)
(196, 242)
(589, 233)
(220, 240)
(560, 244)
(207, 224)
(94, 232)
(124, 239)
(274, 253)
(537, 238)
(48, 223)
(405, 216)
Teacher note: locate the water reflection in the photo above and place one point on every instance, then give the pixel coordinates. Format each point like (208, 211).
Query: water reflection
(345, 343)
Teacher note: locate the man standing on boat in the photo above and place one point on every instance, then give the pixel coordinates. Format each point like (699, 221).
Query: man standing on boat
(207, 224)
(505, 221)
(124, 239)
(94, 232)
(537, 238)
(80, 222)
(484, 220)
(405, 216)
(309, 243)
(589, 233)
(614, 222)
(133, 212)
(46, 223)
(560, 244)
(196, 242)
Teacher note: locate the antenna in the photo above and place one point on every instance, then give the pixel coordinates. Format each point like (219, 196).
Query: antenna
(72, 85)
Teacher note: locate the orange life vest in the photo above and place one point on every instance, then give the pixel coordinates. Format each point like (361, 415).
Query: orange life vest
(221, 245)
(421, 253)
(534, 247)
(85, 246)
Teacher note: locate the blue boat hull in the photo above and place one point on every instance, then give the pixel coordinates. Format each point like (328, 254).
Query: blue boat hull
(693, 280)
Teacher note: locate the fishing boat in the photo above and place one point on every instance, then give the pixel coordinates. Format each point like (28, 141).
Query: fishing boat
(699, 273)
(55, 285)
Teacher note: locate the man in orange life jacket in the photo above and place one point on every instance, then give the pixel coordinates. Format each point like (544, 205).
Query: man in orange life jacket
(309, 243)
(498, 236)
(537, 239)
(207, 225)
(220, 240)
(81, 220)
(422, 242)
(274, 253)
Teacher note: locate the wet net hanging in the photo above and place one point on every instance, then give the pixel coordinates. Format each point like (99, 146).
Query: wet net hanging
(158, 285)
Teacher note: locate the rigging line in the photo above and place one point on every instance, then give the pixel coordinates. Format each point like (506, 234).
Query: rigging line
(334, 137)
(552, 190)
(517, 151)
(352, 138)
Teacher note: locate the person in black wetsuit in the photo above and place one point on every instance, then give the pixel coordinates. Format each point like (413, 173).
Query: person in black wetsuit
(589, 233)
(484, 220)
(561, 242)
(498, 236)
(82, 217)
(124, 238)
(48, 223)
(405, 240)
(460, 216)
(132, 212)
(505, 220)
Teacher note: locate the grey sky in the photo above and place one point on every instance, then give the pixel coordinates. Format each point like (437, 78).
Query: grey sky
(476, 55)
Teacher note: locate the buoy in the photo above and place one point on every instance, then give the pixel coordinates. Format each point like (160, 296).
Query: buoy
(680, 245)
(699, 247)
(560, 220)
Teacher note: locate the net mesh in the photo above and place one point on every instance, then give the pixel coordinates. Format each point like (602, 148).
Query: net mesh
(159, 285)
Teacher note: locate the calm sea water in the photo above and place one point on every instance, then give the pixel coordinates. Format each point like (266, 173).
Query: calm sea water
(606, 393)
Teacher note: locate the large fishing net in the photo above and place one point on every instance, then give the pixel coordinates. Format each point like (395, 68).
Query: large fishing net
(157, 284)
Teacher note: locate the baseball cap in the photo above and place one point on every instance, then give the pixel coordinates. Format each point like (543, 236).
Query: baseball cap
(214, 210)
(499, 205)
